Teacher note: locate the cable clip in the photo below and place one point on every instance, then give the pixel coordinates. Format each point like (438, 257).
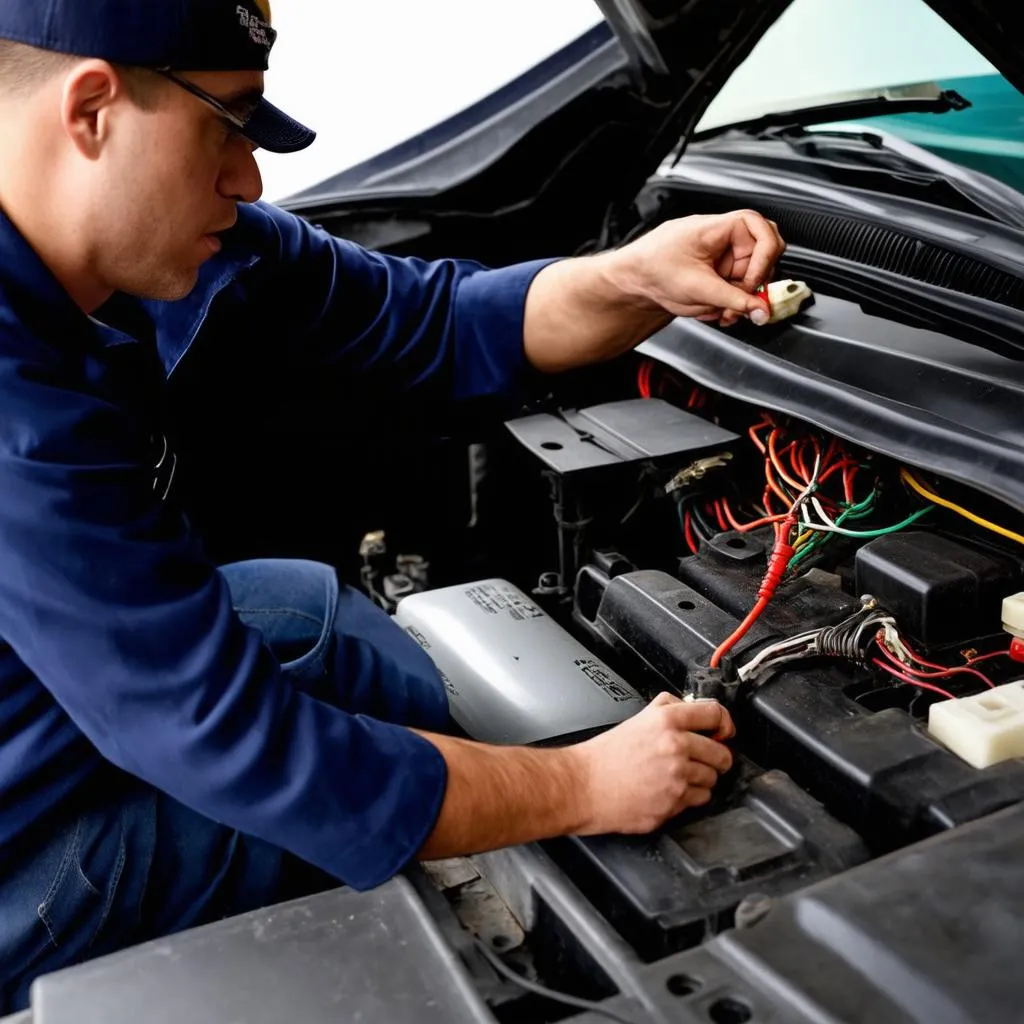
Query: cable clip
(696, 471)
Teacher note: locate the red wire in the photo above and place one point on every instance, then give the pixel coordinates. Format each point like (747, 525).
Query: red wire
(943, 673)
(740, 632)
(719, 514)
(985, 657)
(782, 552)
(835, 467)
(944, 668)
(849, 472)
(913, 682)
(830, 451)
(691, 541)
(643, 379)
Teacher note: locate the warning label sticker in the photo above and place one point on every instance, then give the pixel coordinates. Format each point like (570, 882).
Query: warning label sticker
(448, 684)
(598, 674)
(496, 599)
(418, 637)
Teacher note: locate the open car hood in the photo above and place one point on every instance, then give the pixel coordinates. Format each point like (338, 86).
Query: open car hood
(658, 34)
(620, 97)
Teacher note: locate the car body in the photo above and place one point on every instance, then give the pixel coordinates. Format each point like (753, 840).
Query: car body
(854, 869)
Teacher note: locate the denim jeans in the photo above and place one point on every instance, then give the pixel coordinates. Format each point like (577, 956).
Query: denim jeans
(136, 864)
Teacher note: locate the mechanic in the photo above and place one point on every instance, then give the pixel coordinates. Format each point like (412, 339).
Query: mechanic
(181, 741)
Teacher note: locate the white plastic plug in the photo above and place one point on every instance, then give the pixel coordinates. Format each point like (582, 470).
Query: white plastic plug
(1013, 614)
(983, 729)
(784, 298)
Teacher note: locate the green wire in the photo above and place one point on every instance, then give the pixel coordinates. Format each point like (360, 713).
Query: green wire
(823, 534)
(862, 508)
(869, 533)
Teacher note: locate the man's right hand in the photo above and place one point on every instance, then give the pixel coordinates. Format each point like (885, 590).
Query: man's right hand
(630, 779)
(653, 766)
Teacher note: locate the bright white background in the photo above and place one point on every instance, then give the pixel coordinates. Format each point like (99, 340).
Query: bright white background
(369, 76)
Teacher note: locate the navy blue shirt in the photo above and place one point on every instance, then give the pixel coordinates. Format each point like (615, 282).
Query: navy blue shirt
(118, 642)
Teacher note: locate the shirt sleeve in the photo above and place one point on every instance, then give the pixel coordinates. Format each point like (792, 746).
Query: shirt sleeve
(109, 600)
(449, 331)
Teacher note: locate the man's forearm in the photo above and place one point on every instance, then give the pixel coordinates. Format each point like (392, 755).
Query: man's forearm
(501, 796)
(581, 311)
(593, 308)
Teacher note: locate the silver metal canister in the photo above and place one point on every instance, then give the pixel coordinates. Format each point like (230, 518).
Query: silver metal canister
(513, 674)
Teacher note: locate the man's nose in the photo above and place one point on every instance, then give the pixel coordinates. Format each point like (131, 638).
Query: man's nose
(240, 179)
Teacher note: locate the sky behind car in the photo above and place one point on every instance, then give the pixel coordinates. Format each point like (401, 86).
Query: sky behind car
(369, 76)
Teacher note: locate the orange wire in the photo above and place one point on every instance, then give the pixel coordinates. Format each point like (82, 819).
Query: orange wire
(776, 462)
(752, 433)
(745, 527)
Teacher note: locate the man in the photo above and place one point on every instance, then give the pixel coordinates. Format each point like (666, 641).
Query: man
(180, 741)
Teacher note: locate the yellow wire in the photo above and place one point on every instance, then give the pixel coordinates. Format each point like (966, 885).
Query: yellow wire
(925, 493)
(802, 539)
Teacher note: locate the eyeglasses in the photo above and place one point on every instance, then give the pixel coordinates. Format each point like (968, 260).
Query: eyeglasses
(233, 119)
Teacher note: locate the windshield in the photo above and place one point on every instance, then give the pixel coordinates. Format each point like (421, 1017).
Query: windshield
(822, 48)
(368, 76)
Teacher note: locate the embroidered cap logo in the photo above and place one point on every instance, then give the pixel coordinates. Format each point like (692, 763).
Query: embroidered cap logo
(257, 27)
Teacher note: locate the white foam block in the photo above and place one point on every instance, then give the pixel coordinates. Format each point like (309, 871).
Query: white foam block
(983, 729)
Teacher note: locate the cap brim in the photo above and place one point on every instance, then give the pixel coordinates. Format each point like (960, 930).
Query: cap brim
(273, 130)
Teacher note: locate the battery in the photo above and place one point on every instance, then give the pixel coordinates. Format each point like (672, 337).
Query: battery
(513, 674)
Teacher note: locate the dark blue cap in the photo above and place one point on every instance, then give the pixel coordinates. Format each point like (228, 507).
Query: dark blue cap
(176, 35)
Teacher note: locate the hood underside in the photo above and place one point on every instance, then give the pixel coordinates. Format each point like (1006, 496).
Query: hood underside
(657, 33)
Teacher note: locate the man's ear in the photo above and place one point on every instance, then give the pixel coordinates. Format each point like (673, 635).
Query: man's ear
(90, 92)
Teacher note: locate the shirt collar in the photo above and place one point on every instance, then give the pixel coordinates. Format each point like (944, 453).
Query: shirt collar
(29, 289)
(38, 299)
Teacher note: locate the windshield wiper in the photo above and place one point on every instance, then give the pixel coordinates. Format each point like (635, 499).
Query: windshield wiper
(846, 110)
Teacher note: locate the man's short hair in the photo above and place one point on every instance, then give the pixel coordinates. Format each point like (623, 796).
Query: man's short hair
(24, 69)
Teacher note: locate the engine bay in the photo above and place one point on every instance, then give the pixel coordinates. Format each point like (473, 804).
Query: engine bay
(834, 598)
(721, 533)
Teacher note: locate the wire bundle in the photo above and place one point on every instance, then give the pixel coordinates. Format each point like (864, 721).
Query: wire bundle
(778, 561)
(854, 638)
(810, 496)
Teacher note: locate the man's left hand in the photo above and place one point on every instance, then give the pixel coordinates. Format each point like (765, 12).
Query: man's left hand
(586, 310)
(705, 267)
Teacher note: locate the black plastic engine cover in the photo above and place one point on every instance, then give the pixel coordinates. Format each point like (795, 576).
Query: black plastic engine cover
(762, 836)
(878, 771)
(929, 934)
(652, 624)
(941, 592)
(667, 629)
(728, 569)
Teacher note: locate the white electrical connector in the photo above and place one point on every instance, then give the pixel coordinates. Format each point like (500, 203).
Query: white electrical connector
(983, 729)
(784, 298)
(1013, 614)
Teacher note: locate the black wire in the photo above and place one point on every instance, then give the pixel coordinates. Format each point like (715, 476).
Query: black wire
(547, 993)
(704, 526)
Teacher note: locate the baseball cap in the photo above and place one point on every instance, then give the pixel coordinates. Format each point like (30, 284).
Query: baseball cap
(164, 35)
